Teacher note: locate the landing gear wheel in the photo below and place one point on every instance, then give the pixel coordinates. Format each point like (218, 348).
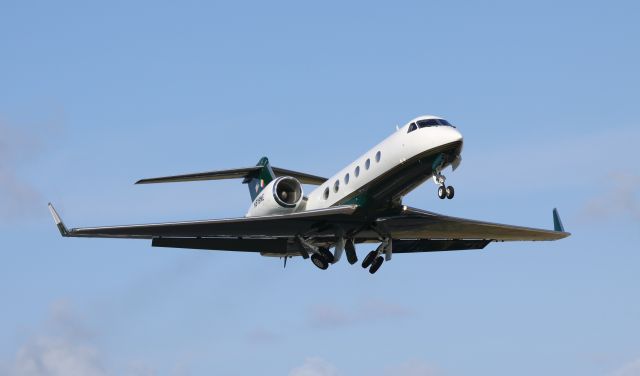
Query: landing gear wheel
(442, 192)
(350, 250)
(450, 192)
(368, 260)
(377, 263)
(319, 261)
(327, 255)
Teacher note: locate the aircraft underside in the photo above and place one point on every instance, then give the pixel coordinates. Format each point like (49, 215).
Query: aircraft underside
(362, 204)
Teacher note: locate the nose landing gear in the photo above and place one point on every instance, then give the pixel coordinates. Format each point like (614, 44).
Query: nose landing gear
(443, 190)
(446, 192)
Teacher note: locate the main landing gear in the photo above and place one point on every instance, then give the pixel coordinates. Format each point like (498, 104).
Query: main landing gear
(374, 259)
(443, 190)
(322, 259)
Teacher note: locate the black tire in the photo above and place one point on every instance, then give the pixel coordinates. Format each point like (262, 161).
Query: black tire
(327, 255)
(319, 261)
(369, 259)
(350, 250)
(377, 263)
(442, 192)
(450, 192)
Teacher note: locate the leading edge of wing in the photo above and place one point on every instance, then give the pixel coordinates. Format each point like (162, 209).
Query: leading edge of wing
(414, 223)
(272, 225)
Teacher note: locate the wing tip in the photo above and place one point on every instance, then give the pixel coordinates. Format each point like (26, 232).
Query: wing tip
(557, 222)
(56, 218)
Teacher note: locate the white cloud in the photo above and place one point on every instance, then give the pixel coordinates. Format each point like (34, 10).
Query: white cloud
(314, 366)
(64, 349)
(620, 197)
(53, 356)
(630, 369)
(18, 197)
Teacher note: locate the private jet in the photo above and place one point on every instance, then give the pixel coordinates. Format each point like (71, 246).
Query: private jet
(362, 203)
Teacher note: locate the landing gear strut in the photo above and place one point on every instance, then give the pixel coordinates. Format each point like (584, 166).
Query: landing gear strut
(320, 256)
(443, 190)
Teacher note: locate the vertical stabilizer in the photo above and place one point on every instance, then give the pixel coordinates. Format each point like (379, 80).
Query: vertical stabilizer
(259, 179)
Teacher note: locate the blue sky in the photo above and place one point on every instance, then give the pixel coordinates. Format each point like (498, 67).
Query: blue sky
(96, 96)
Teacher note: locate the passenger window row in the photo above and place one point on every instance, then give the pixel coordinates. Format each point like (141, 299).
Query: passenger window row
(356, 172)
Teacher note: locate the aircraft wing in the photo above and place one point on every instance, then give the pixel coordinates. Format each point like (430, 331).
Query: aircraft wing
(411, 230)
(285, 225)
(420, 224)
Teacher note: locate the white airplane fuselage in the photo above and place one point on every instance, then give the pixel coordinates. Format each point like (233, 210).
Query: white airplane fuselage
(362, 203)
(394, 152)
(386, 172)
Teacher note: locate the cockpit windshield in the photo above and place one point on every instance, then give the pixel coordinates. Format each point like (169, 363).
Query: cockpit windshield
(428, 123)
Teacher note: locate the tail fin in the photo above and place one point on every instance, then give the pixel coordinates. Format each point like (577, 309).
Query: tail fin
(259, 179)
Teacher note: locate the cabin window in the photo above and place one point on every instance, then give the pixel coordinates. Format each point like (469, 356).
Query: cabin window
(326, 193)
(378, 156)
(336, 186)
(346, 179)
(357, 171)
(367, 164)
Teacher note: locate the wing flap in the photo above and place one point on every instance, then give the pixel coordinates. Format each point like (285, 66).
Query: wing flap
(276, 245)
(420, 224)
(425, 245)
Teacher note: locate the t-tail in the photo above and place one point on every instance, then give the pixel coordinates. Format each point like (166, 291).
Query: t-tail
(258, 179)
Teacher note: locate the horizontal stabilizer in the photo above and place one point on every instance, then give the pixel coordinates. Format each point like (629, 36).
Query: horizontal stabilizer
(236, 173)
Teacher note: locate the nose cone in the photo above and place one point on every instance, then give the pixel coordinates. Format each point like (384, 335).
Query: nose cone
(428, 138)
(457, 136)
(449, 135)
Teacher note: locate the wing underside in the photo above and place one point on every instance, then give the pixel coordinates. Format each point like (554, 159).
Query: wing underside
(411, 230)
(420, 224)
(284, 225)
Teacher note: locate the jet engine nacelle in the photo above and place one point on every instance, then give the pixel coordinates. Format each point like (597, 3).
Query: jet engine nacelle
(281, 196)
